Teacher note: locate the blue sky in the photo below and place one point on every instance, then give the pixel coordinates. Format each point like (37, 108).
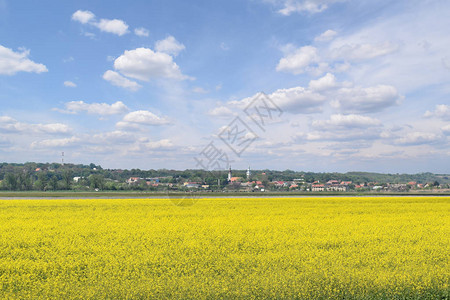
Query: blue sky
(362, 85)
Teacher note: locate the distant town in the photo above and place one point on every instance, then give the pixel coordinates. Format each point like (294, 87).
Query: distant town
(59, 177)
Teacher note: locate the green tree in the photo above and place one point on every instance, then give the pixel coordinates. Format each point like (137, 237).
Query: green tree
(97, 181)
(25, 181)
(11, 182)
(53, 183)
(41, 183)
(67, 179)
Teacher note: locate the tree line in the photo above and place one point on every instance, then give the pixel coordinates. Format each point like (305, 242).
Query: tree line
(55, 176)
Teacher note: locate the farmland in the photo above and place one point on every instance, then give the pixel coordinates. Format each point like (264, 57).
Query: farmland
(306, 247)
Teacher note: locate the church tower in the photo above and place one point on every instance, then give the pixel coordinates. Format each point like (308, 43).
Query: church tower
(248, 173)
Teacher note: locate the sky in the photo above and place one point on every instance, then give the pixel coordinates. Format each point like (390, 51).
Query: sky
(305, 85)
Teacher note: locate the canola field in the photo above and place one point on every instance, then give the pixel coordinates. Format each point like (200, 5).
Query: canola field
(226, 248)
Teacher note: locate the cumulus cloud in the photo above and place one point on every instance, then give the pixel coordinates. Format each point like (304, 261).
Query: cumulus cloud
(170, 46)
(441, 111)
(297, 61)
(367, 100)
(298, 100)
(345, 122)
(221, 111)
(145, 145)
(11, 125)
(324, 83)
(141, 117)
(417, 138)
(104, 109)
(336, 57)
(346, 98)
(342, 128)
(83, 16)
(69, 84)
(118, 80)
(113, 137)
(336, 135)
(161, 144)
(141, 31)
(326, 36)
(145, 64)
(12, 62)
(114, 26)
(51, 128)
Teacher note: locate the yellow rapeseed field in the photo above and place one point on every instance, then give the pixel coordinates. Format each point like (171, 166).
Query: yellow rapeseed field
(304, 248)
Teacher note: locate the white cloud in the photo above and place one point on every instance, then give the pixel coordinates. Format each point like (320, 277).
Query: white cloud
(371, 99)
(103, 109)
(114, 26)
(170, 46)
(113, 137)
(54, 143)
(298, 100)
(441, 111)
(360, 52)
(144, 145)
(12, 62)
(309, 6)
(11, 125)
(446, 129)
(145, 64)
(336, 135)
(342, 128)
(326, 36)
(161, 144)
(417, 138)
(83, 16)
(141, 117)
(345, 122)
(221, 111)
(141, 31)
(118, 80)
(411, 49)
(324, 83)
(336, 57)
(69, 84)
(298, 61)
(51, 128)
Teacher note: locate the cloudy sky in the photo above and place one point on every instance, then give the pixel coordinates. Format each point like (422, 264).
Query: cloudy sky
(357, 85)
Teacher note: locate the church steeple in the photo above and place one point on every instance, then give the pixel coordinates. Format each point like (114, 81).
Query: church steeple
(248, 173)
